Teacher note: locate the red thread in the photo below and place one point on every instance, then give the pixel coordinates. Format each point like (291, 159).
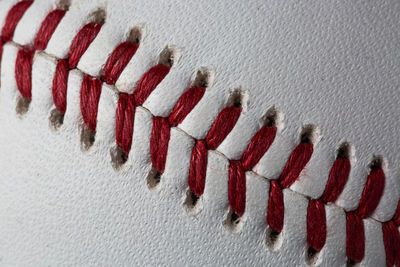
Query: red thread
(159, 142)
(222, 126)
(355, 237)
(296, 163)
(47, 28)
(124, 121)
(337, 180)
(81, 42)
(185, 104)
(118, 60)
(13, 17)
(276, 209)
(198, 168)
(90, 96)
(258, 146)
(149, 82)
(391, 241)
(316, 224)
(372, 192)
(23, 72)
(237, 187)
(59, 88)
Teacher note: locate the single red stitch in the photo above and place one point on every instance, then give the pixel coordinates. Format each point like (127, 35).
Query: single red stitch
(81, 42)
(337, 180)
(296, 163)
(222, 126)
(13, 17)
(23, 72)
(316, 224)
(125, 116)
(237, 187)
(59, 87)
(90, 96)
(149, 82)
(47, 28)
(355, 237)
(276, 209)
(159, 140)
(185, 104)
(391, 241)
(117, 61)
(372, 192)
(198, 168)
(258, 146)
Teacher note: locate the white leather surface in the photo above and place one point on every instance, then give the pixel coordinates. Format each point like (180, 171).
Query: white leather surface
(334, 64)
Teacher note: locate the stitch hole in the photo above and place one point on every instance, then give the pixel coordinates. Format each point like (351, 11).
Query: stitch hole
(154, 179)
(310, 134)
(169, 56)
(56, 119)
(378, 162)
(273, 118)
(204, 77)
(98, 16)
(233, 222)
(274, 239)
(118, 157)
(22, 106)
(63, 4)
(135, 35)
(193, 203)
(87, 138)
(238, 98)
(351, 263)
(312, 256)
(345, 151)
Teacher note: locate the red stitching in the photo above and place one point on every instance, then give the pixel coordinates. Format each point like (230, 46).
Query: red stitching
(355, 237)
(118, 60)
(149, 82)
(125, 116)
(13, 17)
(159, 142)
(161, 126)
(23, 72)
(372, 193)
(237, 187)
(275, 211)
(391, 240)
(316, 224)
(291, 172)
(258, 146)
(81, 42)
(222, 126)
(125, 110)
(185, 104)
(198, 168)
(90, 96)
(337, 180)
(47, 28)
(59, 87)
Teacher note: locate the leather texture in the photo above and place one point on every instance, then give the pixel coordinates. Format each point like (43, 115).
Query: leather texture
(333, 64)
